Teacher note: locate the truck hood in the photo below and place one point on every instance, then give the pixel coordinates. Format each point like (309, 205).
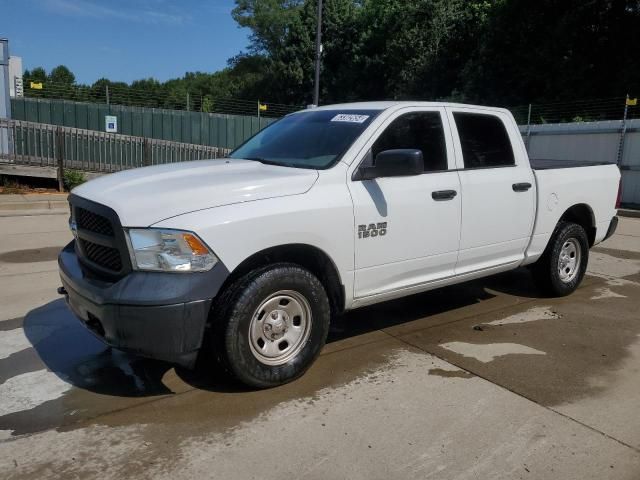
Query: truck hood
(144, 196)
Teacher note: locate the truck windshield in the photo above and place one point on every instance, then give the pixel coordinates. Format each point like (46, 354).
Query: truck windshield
(314, 139)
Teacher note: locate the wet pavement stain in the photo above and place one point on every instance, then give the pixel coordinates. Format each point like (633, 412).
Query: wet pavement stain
(621, 254)
(11, 324)
(488, 352)
(23, 361)
(32, 255)
(441, 372)
(104, 380)
(586, 340)
(217, 404)
(115, 389)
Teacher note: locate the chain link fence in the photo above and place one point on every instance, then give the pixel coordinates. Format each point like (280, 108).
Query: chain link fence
(194, 101)
(593, 110)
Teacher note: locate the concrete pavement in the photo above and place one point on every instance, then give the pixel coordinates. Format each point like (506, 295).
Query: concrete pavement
(482, 380)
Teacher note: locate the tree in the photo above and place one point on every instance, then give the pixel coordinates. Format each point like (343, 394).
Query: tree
(62, 75)
(38, 74)
(504, 52)
(548, 51)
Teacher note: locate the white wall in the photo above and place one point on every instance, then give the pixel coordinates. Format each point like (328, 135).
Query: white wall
(15, 71)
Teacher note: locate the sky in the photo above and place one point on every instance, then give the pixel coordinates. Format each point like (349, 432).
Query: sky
(122, 40)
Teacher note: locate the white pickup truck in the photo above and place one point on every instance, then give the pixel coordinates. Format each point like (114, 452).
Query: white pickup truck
(324, 211)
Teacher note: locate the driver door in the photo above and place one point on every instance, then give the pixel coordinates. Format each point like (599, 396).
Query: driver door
(407, 229)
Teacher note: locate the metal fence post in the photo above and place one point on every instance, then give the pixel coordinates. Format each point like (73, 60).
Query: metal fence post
(623, 131)
(59, 143)
(5, 101)
(146, 152)
(526, 144)
(106, 89)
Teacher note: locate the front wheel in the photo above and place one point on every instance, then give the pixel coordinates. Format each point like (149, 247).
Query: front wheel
(270, 325)
(564, 263)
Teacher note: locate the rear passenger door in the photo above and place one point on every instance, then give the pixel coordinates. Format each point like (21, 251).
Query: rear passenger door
(498, 189)
(407, 228)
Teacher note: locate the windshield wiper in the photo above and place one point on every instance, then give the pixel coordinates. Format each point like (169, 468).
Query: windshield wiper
(267, 162)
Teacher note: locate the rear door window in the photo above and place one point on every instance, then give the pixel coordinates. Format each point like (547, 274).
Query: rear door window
(484, 140)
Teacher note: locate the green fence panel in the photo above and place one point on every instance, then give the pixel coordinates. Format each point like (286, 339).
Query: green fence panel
(185, 134)
(136, 123)
(205, 130)
(57, 112)
(255, 125)
(213, 129)
(231, 133)
(214, 134)
(43, 112)
(247, 131)
(103, 111)
(17, 109)
(156, 124)
(31, 110)
(175, 127)
(147, 124)
(93, 120)
(82, 116)
(125, 119)
(69, 114)
(196, 122)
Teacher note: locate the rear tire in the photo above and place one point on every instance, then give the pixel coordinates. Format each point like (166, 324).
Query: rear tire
(270, 325)
(563, 265)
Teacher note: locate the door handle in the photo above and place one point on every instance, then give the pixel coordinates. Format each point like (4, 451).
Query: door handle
(521, 187)
(443, 195)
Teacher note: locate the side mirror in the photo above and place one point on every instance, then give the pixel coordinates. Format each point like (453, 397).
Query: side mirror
(393, 163)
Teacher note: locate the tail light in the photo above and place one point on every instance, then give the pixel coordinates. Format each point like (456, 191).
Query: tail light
(619, 198)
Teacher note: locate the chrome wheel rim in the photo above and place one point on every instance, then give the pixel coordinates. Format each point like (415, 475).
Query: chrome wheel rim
(569, 260)
(280, 327)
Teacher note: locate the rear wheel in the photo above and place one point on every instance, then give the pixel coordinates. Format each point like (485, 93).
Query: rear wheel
(563, 265)
(270, 325)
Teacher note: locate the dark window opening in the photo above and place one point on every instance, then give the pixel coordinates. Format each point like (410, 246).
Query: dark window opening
(484, 140)
(417, 130)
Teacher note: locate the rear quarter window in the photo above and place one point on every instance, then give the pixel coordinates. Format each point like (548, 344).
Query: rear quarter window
(484, 140)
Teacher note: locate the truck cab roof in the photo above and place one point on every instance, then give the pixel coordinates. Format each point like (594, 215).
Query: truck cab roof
(389, 104)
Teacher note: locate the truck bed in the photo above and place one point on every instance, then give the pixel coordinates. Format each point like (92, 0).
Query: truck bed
(547, 164)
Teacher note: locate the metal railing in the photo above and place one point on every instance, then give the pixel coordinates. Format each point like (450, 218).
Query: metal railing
(44, 145)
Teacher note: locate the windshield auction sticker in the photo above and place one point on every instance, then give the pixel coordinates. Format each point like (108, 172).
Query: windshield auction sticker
(350, 118)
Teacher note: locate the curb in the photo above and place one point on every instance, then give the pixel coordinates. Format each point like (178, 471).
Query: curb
(30, 204)
(626, 212)
(34, 212)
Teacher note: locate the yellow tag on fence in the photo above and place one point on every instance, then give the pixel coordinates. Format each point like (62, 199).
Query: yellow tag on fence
(36, 85)
(632, 102)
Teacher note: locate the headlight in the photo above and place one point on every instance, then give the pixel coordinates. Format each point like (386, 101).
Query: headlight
(154, 249)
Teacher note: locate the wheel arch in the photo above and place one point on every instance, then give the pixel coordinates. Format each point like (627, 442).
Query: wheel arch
(583, 215)
(307, 256)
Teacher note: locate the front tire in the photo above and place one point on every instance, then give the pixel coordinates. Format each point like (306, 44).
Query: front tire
(563, 265)
(270, 325)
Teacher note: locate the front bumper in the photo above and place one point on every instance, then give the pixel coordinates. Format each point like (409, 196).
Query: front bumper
(152, 314)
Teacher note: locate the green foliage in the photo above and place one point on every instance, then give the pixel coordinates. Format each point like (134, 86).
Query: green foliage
(10, 186)
(505, 52)
(62, 75)
(73, 178)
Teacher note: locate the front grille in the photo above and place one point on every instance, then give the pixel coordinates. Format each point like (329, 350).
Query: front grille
(93, 222)
(101, 245)
(105, 257)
